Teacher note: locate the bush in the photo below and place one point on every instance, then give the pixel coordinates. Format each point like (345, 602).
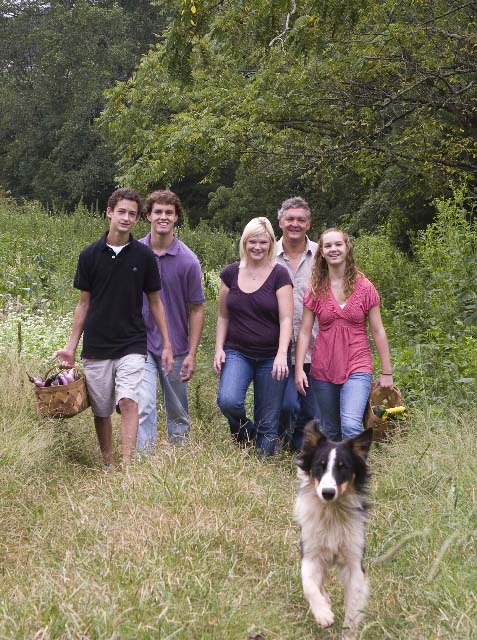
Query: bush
(433, 327)
(38, 252)
(214, 247)
(388, 268)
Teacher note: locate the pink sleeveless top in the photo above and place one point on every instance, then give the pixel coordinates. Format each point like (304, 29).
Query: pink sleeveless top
(342, 346)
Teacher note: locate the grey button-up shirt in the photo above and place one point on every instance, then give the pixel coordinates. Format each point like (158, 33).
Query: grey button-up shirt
(300, 279)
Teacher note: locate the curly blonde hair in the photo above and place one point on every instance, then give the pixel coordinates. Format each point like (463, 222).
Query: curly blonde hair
(320, 278)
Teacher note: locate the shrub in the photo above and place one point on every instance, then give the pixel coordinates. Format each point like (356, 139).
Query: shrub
(433, 328)
(214, 247)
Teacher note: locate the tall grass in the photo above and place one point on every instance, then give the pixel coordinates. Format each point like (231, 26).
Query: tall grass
(198, 542)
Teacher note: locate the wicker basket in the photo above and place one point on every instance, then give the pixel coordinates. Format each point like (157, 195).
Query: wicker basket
(62, 401)
(390, 397)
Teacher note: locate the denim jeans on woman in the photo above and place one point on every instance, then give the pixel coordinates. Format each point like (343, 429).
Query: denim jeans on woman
(342, 405)
(297, 411)
(238, 371)
(174, 396)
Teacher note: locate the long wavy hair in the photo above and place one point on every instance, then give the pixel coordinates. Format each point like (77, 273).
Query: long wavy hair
(320, 277)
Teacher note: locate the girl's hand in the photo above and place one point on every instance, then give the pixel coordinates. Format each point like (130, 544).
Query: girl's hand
(301, 382)
(280, 367)
(385, 381)
(219, 360)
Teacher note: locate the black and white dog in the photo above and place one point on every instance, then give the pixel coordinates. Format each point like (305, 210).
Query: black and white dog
(332, 511)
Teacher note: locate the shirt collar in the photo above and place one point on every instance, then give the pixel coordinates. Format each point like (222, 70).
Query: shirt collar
(172, 250)
(104, 244)
(281, 250)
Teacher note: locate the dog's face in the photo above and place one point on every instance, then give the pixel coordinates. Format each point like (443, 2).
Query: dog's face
(335, 468)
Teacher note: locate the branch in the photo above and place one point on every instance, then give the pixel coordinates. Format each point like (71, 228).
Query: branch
(281, 36)
(447, 13)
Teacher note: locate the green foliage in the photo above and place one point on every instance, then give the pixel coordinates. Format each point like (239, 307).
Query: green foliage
(57, 58)
(430, 303)
(38, 252)
(215, 248)
(387, 267)
(370, 95)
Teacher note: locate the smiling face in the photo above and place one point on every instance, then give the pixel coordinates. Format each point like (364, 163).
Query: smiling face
(257, 248)
(333, 248)
(294, 224)
(123, 216)
(163, 218)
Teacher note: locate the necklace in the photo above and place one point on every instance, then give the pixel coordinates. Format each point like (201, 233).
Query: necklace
(254, 275)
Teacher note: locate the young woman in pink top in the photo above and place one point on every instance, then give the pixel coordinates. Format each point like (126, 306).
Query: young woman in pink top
(341, 363)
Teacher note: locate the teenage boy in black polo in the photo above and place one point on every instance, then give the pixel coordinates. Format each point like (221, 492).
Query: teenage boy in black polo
(112, 275)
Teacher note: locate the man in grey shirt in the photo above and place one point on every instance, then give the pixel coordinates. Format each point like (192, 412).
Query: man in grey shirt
(296, 252)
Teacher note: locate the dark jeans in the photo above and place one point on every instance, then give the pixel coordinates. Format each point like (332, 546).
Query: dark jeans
(238, 371)
(297, 411)
(342, 405)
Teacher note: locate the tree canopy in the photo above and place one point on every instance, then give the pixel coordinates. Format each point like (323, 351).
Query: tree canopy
(367, 107)
(56, 59)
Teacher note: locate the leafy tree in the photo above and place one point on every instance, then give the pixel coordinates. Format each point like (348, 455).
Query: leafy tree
(56, 59)
(376, 97)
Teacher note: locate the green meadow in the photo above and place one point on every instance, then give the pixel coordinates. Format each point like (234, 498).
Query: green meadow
(198, 542)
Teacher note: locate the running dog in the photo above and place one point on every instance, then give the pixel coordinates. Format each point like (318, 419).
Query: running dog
(332, 511)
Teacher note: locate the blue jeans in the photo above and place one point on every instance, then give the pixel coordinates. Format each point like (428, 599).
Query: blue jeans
(174, 396)
(342, 405)
(297, 411)
(238, 371)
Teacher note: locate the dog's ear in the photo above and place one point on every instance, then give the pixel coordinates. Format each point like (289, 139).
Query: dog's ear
(360, 444)
(312, 435)
(311, 439)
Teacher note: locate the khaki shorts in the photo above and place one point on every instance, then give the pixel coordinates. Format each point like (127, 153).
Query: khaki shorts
(109, 381)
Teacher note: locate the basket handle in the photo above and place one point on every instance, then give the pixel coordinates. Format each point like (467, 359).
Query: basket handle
(45, 376)
(375, 385)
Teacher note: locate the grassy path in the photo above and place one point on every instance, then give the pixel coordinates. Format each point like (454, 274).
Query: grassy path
(198, 542)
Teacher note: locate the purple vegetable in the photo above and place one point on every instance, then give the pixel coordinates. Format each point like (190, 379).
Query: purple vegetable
(69, 376)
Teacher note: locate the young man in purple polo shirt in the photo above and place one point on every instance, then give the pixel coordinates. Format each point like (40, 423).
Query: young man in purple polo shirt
(183, 298)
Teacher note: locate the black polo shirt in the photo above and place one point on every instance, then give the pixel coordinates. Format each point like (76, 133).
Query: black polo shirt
(114, 326)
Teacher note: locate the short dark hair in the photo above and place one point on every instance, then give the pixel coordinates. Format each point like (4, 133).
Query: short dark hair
(163, 196)
(294, 203)
(125, 194)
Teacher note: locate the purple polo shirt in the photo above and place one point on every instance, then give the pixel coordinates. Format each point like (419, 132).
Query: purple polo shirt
(181, 285)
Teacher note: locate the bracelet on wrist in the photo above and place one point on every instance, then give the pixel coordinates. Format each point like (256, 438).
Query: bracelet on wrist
(386, 374)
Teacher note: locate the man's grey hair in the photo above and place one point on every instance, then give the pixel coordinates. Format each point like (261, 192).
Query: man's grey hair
(294, 203)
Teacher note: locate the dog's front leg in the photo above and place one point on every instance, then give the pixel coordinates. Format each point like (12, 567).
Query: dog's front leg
(313, 575)
(356, 591)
